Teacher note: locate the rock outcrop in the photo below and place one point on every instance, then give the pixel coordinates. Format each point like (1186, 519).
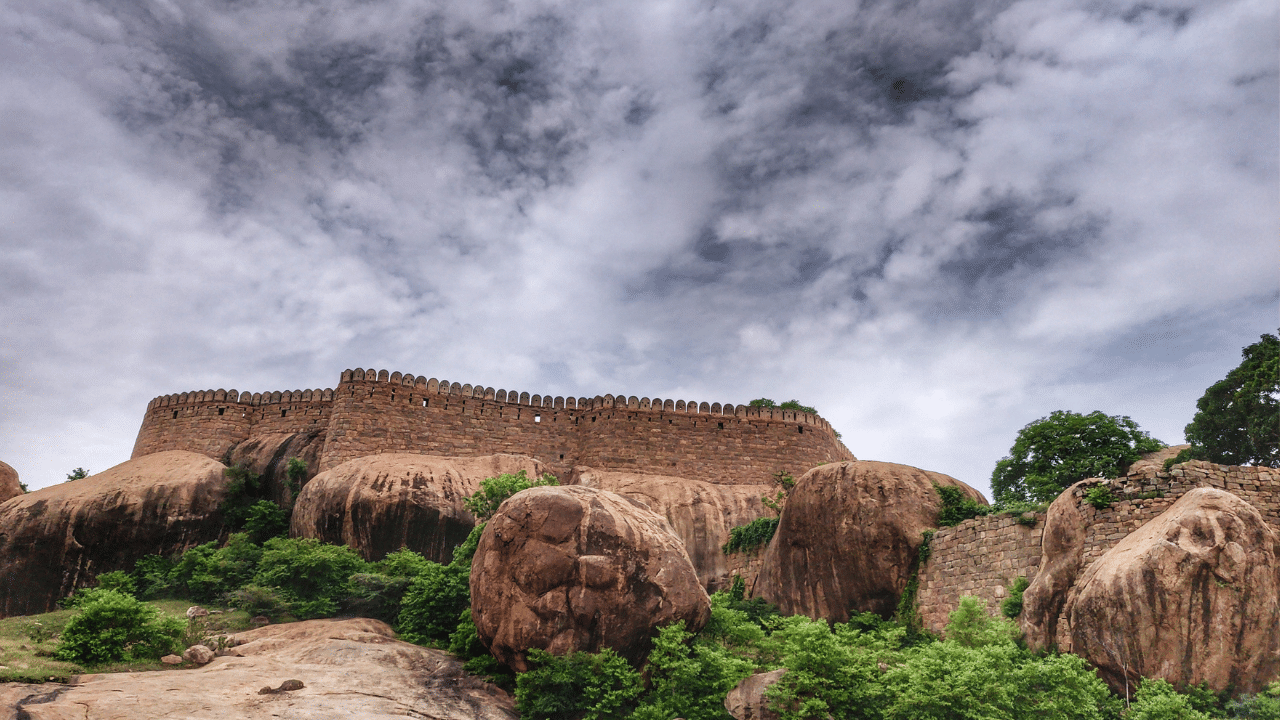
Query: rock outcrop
(747, 700)
(319, 669)
(381, 503)
(9, 485)
(574, 568)
(1061, 559)
(701, 513)
(268, 455)
(848, 538)
(1192, 596)
(59, 538)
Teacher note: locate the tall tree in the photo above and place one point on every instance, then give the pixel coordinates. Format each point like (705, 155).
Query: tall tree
(1237, 420)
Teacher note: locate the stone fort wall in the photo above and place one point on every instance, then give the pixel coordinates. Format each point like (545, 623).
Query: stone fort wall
(982, 557)
(375, 411)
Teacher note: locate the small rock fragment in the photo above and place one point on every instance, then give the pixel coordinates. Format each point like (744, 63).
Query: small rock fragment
(171, 660)
(196, 611)
(285, 686)
(198, 654)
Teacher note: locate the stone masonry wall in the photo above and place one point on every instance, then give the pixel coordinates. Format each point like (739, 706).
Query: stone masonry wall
(747, 565)
(374, 412)
(982, 556)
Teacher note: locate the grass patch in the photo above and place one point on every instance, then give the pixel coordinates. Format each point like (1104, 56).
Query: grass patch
(27, 643)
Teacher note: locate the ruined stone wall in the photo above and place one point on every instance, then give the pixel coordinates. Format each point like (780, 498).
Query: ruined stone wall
(374, 412)
(747, 565)
(982, 556)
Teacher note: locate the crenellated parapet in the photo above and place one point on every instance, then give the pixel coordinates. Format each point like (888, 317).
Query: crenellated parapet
(380, 411)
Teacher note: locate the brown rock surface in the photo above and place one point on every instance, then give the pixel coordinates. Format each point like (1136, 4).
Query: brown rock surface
(346, 668)
(381, 503)
(1192, 596)
(574, 568)
(701, 513)
(1154, 460)
(747, 700)
(60, 537)
(9, 485)
(1061, 559)
(268, 455)
(848, 537)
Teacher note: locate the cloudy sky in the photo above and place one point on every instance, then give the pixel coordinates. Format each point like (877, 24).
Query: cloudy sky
(935, 221)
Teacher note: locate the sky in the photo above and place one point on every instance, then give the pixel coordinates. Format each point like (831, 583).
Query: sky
(934, 221)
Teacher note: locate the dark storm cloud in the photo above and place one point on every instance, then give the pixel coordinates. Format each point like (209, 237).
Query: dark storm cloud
(935, 221)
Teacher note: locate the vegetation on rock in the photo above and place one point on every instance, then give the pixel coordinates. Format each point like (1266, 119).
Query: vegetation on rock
(1237, 420)
(1052, 453)
(753, 535)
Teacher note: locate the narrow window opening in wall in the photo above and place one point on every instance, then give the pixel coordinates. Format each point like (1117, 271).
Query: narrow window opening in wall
(393, 396)
(517, 414)
(671, 422)
(593, 418)
(283, 413)
(695, 423)
(426, 402)
(575, 420)
(175, 414)
(221, 410)
(561, 456)
(800, 428)
(721, 426)
(537, 417)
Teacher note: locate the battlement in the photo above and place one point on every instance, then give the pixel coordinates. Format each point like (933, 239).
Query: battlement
(378, 411)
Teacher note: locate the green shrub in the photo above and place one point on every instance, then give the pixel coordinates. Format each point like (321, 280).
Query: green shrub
(403, 563)
(206, 572)
(119, 581)
(581, 686)
(376, 596)
(1100, 496)
(827, 675)
(112, 627)
(689, 680)
(265, 520)
(77, 474)
(1263, 706)
(926, 546)
(434, 603)
(493, 491)
(244, 488)
(956, 506)
(311, 575)
(151, 576)
(1011, 607)
(1157, 700)
(463, 553)
(971, 626)
(465, 643)
(296, 472)
(754, 534)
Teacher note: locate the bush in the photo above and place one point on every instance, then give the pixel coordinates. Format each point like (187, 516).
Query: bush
(1158, 700)
(1011, 607)
(265, 520)
(244, 488)
(1100, 496)
(151, 576)
(311, 575)
(493, 491)
(257, 600)
(112, 627)
(206, 572)
(581, 686)
(956, 506)
(754, 534)
(970, 625)
(1052, 453)
(1263, 706)
(827, 675)
(377, 596)
(689, 681)
(434, 603)
(465, 643)
(77, 474)
(119, 581)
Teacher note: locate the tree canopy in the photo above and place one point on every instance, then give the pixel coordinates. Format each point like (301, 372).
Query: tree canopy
(1237, 420)
(1053, 452)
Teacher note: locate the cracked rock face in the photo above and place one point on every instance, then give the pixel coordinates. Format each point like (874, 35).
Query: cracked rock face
(1191, 597)
(848, 536)
(380, 503)
(59, 538)
(574, 568)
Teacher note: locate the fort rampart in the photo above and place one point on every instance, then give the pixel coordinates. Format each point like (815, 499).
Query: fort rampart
(982, 557)
(376, 412)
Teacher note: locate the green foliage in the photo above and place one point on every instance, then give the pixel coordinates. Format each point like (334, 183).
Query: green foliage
(926, 546)
(23, 487)
(296, 472)
(434, 603)
(403, 563)
(1011, 607)
(118, 580)
(465, 643)
(1263, 706)
(1158, 700)
(689, 680)
(970, 625)
(1100, 496)
(244, 488)
(1053, 452)
(265, 520)
(754, 534)
(756, 611)
(828, 674)
(206, 572)
(311, 575)
(788, 405)
(762, 402)
(493, 491)
(956, 506)
(257, 600)
(376, 596)
(1237, 420)
(463, 553)
(908, 613)
(151, 576)
(112, 627)
(581, 686)
(77, 474)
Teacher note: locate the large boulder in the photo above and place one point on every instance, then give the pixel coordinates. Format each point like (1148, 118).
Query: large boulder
(318, 669)
(701, 513)
(573, 568)
(59, 538)
(380, 503)
(268, 455)
(848, 537)
(1192, 596)
(1061, 559)
(9, 485)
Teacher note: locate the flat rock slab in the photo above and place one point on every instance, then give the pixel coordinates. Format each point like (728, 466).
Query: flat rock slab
(349, 669)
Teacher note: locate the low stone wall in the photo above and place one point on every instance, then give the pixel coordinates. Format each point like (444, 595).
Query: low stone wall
(981, 557)
(747, 565)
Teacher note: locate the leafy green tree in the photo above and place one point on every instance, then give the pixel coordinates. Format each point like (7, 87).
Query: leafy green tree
(1053, 452)
(112, 627)
(77, 474)
(265, 520)
(580, 686)
(312, 575)
(296, 472)
(433, 605)
(493, 491)
(689, 680)
(788, 405)
(970, 625)
(1237, 420)
(826, 674)
(1157, 700)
